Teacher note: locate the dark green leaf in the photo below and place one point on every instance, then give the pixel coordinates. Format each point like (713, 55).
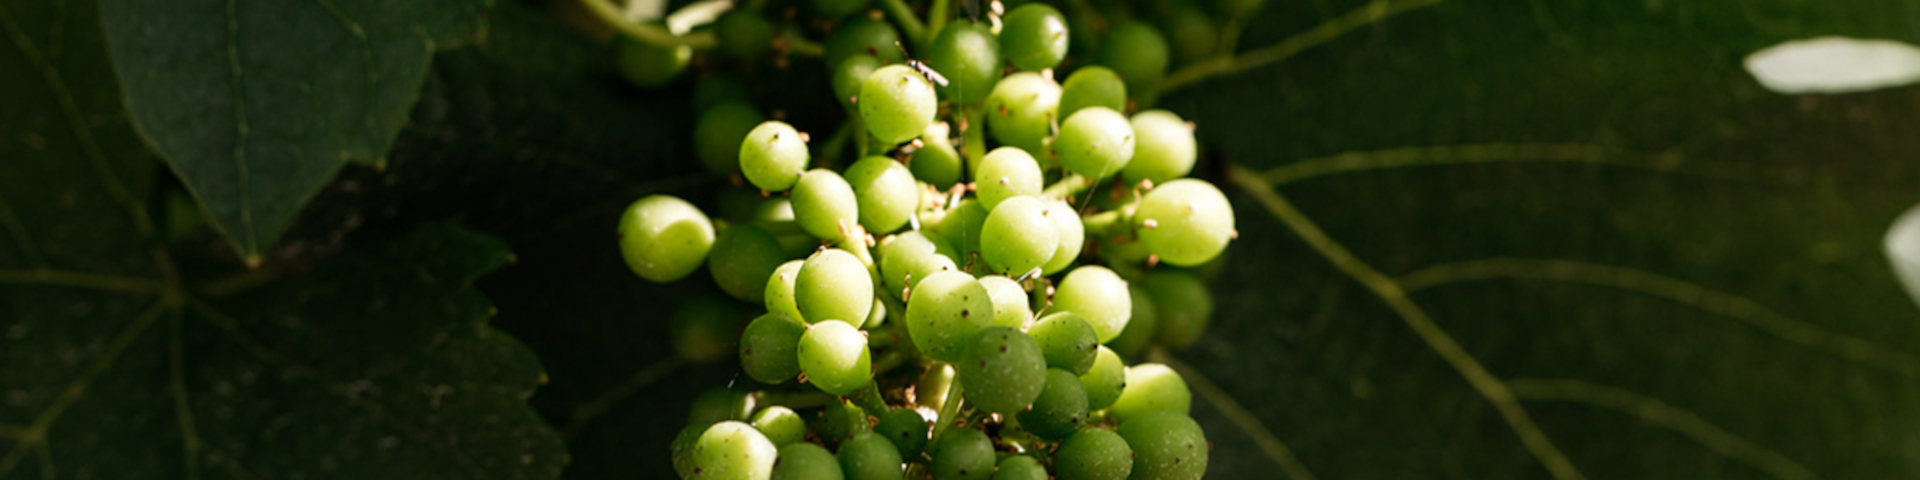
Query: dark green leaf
(256, 105)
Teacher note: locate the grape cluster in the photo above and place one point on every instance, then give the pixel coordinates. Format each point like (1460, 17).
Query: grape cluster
(946, 307)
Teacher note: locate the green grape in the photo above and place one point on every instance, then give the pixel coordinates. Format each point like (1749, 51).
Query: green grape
(779, 294)
(838, 8)
(719, 132)
(1067, 341)
(719, 405)
(841, 421)
(715, 89)
(886, 191)
(775, 215)
(825, 205)
(863, 35)
(936, 161)
(1166, 445)
(806, 461)
(1010, 304)
(773, 156)
(1099, 296)
(780, 425)
(906, 429)
(1019, 467)
(833, 285)
(850, 75)
(1151, 387)
(968, 55)
(742, 258)
(683, 447)
(1136, 51)
(1034, 37)
(1073, 236)
(1003, 370)
(769, 348)
(1021, 110)
(961, 226)
(908, 257)
(868, 456)
(1105, 381)
(704, 328)
(664, 238)
(1185, 222)
(1006, 172)
(744, 33)
(1096, 142)
(1018, 237)
(964, 454)
(1061, 408)
(1191, 33)
(834, 356)
(1092, 86)
(896, 104)
(1141, 328)
(1083, 27)
(876, 316)
(1163, 148)
(733, 450)
(1094, 454)
(1183, 304)
(944, 311)
(648, 65)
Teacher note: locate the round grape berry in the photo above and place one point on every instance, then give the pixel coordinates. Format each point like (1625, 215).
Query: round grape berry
(944, 311)
(772, 156)
(1151, 387)
(1185, 222)
(719, 132)
(1034, 37)
(1166, 445)
(896, 104)
(1097, 295)
(1021, 110)
(1018, 237)
(1092, 86)
(834, 357)
(824, 204)
(968, 55)
(1003, 370)
(734, 451)
(886, 191)
(1163, 148)
(664, 238)
(1096, 142)
(769, 348)
(833, 285)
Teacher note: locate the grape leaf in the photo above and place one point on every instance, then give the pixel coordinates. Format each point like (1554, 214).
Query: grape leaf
(1483, 239)
(256, 105)
(123, 357)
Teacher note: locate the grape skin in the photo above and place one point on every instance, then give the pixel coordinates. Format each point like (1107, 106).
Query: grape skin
(664, 238)
(769, 348)
(1151, 387)
(896, 104)
(833, 285)
(1185, 222)
(1003, 370)
(1097, 295)
(834, 356)
(773, 155)
(1094, 454)
(1018, 237)
(944, 311)
(732, 450)
(1067, 341)
(1034, 37)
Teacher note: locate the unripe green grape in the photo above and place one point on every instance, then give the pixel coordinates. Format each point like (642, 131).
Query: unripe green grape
(1034, 37)
(775, 215)
(908, 257)
(719, 132)
(851, 75)
(968, 55)
(1073, 236)
(773, 155)
(648, 65)
(1092, 86)
(1018, 237)
(1105, 381)
(1185, 222)
(1006, 172)
(744, 33)
(742, 258)
(964, 454)
(1166, 445)
(1097, 295)
(837, 8)
(1003, 370)
(833, 285)
(806, 461)
(1021, 110)
(825, 205)
(961, 226)
(863, 35)
(715, 89)
(867, 456)
(1019, 467)
(834, 357)
(906, 429)
(683, 447)
(1067, 341)
(769, 348)
(1096, 142)
(732, 450)
(720, 405)
(1061, 408)
(936, 161)
(1151, 387)
(944, 311)
(1138, 53)
(1191, 34)
(1163, 148)
(780, 424)
(779, 293)
(664, 238)
(1010, 305)
(1183, 304)
(1094, 454)
(897, 104)
(841, 421)
(1141, 329)
(704, 328)
(876, 316)
(886, 191)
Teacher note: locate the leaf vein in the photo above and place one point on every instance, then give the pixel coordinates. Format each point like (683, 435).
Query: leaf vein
(1659, 413)
(36, 433)
(1243, 418)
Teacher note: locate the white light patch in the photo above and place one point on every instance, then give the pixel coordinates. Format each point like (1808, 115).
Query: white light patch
(1835, 65)
(1903, 250)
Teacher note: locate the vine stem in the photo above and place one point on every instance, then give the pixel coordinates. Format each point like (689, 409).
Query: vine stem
(799, 44)
(1228, 64)
(586, 412)
(1390, 292)
(647, 33)
(1239, 414)
(909, 23)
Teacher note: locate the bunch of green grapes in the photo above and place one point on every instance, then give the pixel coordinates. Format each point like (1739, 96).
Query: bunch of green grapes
(958, 297)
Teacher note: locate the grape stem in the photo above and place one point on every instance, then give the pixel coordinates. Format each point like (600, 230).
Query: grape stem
(909, 23)
(648, 33)
(869, 399)
(593, 408)
(937, 18)
(800, 45)
(975, 139)
(1070, 186)
(1227, 63)
(794, 400)
(1111, 222)
(949, 410)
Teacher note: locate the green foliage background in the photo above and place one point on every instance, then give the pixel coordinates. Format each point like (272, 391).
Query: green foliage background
(1586, 212)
